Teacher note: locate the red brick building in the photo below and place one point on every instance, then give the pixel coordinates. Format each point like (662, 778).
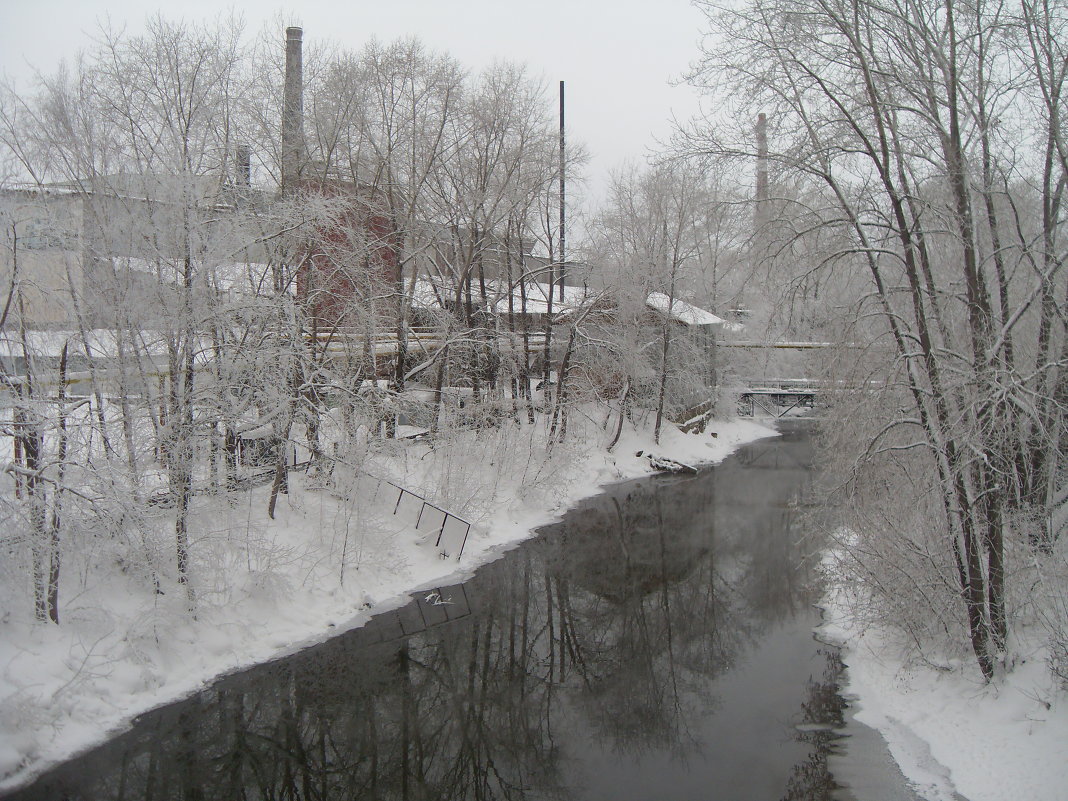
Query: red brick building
(347, 279)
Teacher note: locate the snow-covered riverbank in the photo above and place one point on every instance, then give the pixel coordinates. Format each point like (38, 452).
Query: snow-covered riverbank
(123, 649)
(952, 734)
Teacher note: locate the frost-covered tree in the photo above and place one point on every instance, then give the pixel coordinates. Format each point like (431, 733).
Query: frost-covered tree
(932, 132)
(657, 242)
(215, 321)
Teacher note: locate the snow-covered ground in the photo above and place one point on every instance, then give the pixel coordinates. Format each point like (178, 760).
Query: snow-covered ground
(952, 734)
(265, 588)
(123, 649)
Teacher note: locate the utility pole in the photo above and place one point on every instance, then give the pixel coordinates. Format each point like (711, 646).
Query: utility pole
(762, 158)
(563, 164)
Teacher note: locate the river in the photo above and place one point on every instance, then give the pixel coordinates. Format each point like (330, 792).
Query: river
(655, 644)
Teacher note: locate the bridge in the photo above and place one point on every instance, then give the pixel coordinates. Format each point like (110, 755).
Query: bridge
(769, 398)
(778, 397)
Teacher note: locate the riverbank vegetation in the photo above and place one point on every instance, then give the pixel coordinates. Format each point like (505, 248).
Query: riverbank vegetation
(221, 348)
(191, 306)
(918, 159)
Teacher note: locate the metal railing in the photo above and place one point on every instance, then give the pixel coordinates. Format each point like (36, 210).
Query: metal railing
(449, 531)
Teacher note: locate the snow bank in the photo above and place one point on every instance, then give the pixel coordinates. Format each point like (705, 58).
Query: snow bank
(264, 589)
(952, 734)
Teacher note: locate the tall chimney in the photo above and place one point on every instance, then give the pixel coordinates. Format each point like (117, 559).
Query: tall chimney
(244, 167)
(762, 207)
(293, 110)
(762, 158)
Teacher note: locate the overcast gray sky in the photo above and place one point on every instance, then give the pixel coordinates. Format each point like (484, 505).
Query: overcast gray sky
(618, 57)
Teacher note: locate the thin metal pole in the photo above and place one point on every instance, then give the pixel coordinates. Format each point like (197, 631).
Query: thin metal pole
(563, 164)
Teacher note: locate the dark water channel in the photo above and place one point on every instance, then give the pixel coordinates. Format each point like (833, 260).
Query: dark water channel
(656, 644)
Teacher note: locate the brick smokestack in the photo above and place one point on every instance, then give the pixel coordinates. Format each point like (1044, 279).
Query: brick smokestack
(244, 167)
(759, 253)
(762, 158)
(761, 210)
(293, 110)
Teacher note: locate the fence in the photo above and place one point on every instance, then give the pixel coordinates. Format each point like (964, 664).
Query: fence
(449, 531)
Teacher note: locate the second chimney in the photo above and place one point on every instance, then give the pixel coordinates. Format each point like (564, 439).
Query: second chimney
(762, 157)
(244, 167)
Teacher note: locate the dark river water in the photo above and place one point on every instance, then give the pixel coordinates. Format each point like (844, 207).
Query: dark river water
(656, 644)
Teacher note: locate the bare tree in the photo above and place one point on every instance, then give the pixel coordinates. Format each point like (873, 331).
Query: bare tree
(908, 116)
(655, 240)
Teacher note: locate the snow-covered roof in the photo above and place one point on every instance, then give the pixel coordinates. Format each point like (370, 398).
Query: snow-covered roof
(685, 313)
(100, 341)
(538, 298)
(160, 187)
(236, 276)
(427, 292)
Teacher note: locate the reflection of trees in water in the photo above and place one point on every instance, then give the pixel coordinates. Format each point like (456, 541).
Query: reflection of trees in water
(761, 505)
(656, 618)
(626, 610)
(822, 715)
